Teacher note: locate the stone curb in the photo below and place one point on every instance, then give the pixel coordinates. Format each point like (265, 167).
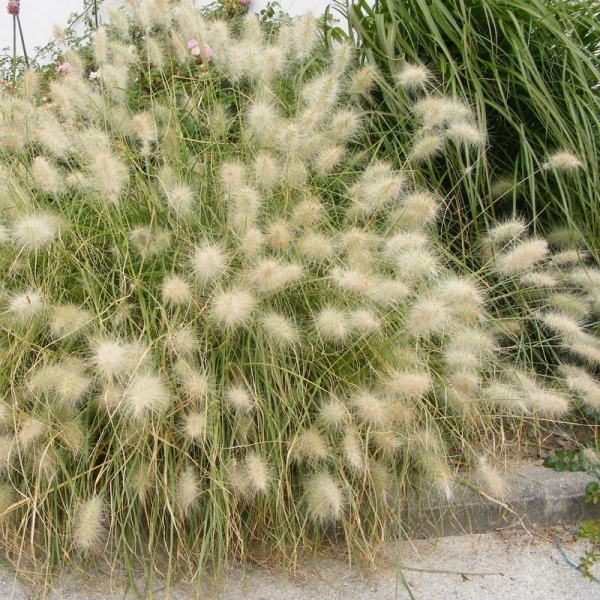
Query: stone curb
(537, 497)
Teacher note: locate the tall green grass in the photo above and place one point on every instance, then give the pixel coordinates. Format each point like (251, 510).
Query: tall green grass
(530, 69)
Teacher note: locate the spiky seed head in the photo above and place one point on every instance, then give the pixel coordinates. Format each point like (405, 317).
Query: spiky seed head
(428, 316)
(194, 426)
(280, 330)
(370, 408)
(209, 262)
(362, 81)
(196, 384)
(583, 384)
(315, 247)
(262, 118)
(506, 231)
(523, 257)
(548, 403)
(146, 395)
(24, 308)
(309, 446)
(88, 524)
(232, 308)
(233, 175)
(333, 413)
(239, 399)
(180, 199)
(563, 161)
(176, 291)
(68, 320)
(413, 77)
(408, 384)
(353, 453)
(426, 147)
(325, 498)
(35, 231)
(182, 342)
(460, 292)
(308, 212)
(187, 490)
(333, 324)
(258, 474)
(465, 382)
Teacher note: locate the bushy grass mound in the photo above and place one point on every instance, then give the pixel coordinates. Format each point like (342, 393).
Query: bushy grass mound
(229, 327)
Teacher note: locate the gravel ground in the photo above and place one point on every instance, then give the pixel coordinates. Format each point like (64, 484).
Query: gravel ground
(507, 565)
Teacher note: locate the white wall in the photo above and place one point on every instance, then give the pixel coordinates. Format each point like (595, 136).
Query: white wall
(39, 16)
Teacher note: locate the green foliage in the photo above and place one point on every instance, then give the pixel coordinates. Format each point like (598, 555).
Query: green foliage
(530, 69)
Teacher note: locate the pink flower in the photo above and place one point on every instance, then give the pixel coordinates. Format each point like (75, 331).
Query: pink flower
(14, 7)
(65, 68)
(244, 2)
(208, 52)
(191, 44)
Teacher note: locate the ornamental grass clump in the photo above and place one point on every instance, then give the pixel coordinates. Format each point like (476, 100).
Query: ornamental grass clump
(229, 327)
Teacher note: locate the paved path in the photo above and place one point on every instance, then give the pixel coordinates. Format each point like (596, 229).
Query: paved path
(510, 565)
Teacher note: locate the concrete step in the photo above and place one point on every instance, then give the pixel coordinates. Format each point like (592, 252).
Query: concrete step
(537, 497)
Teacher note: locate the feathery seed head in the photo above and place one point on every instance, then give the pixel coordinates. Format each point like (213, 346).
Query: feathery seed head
(466, 134)
(88, 524)
(427, 316)
(523, 257)
(325, 498)
(362, 81)
(353, 452)
(232, 308)
(182, 342)
(426, 147)
(239, 399)
(413, 77)
(418, 210)
(328, 158)
(46, 176)
(304, 36)
(388, 292)
(493, 482)
(506, 231)
(364, 321)
(564, 161)
(371, 409)
(147, 394)
(111, 358)
(180, 199)
(233, 175)
(244, 208)
(309, 446)
(251, 243)
(333, 413)
(176, 291)
(30, 431)
(308, 212)
(22, 309)
(197, 385)
(33, 232)
(187, 490)
(257, 474)
(149, 241)
(583, 384)
(209, 262)
(314, 247)
(352, 280)
(271, 275)
(267, 170)
(194, 426)
(408, 384)
(278, 235)
(280, 330)
(68, 320)
(333, 324)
